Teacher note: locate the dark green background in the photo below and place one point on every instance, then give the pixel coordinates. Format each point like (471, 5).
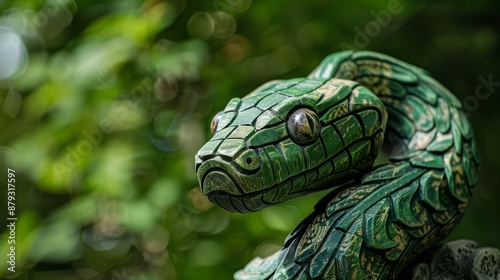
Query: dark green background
(117, 97)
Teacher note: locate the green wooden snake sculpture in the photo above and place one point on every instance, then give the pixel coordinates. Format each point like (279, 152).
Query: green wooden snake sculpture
(290, 138)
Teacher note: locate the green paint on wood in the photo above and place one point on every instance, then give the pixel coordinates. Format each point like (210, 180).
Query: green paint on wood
(288, 138)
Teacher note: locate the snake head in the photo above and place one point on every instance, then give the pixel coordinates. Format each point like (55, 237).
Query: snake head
(289, 138)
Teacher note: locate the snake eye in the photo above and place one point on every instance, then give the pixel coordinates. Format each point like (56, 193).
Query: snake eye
(303, 126)
(215, 122)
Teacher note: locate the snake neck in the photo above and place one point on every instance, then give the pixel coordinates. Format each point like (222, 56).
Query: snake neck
(426, 125)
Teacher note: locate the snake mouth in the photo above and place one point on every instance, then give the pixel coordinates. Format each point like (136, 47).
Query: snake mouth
(218, 184)
(222, 190)
(233, 188)
(233, 199)
(238, 192)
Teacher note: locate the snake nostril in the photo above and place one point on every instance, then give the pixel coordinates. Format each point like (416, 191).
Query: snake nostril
(248, 160)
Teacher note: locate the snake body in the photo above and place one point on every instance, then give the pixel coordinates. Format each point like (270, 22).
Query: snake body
(292, 137)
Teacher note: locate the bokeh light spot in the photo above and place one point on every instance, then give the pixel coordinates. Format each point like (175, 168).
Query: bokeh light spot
(281, 217)
(13, 54)
(201, 25)
(155, 240)
(12, 103)
(266, 249)
(225, 25)
(206, 253)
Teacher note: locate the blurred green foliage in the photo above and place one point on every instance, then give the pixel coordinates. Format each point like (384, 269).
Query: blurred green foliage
(105, 104)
